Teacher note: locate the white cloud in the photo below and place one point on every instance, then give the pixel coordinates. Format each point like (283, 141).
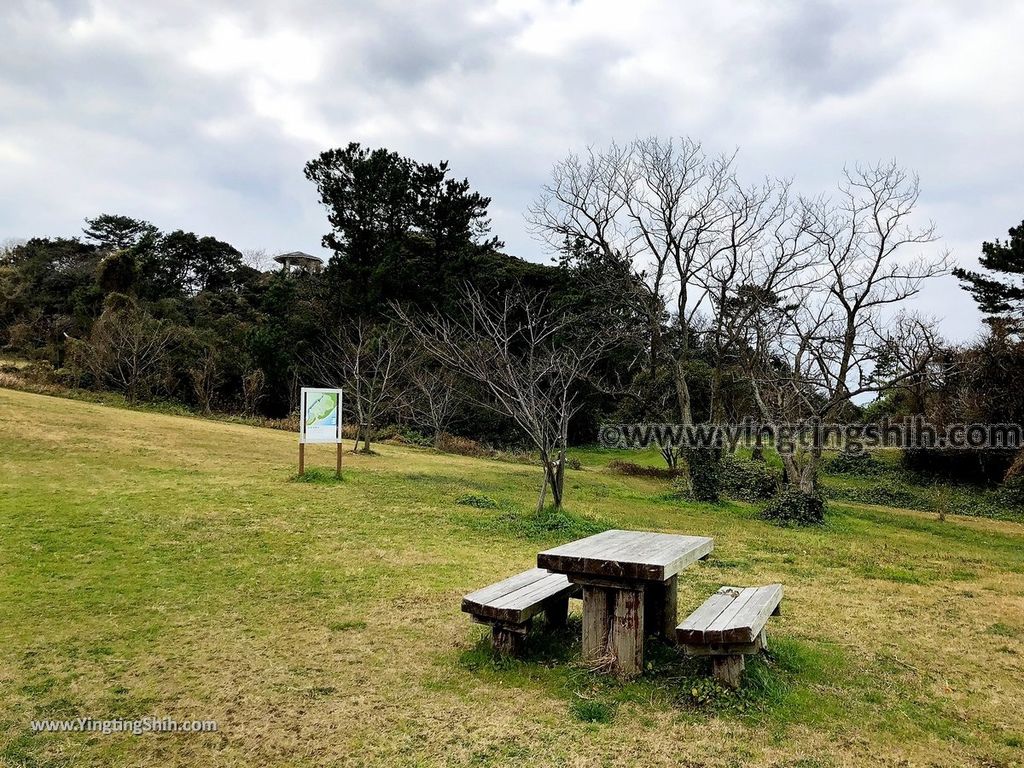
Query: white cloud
(280, 56)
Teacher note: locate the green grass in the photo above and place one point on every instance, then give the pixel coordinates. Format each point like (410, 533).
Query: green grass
(158, 565)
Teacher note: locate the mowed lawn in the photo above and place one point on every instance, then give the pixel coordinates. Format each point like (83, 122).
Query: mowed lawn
(158, 565)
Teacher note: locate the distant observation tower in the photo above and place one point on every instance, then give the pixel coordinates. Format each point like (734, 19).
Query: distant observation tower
(297, 261)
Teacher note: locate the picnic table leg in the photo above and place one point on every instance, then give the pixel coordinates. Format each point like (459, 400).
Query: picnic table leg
(596, 618)
(626, 640)
(669, 615)
(660, 609)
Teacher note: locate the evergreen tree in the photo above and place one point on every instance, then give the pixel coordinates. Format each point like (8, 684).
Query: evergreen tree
(1000, 292)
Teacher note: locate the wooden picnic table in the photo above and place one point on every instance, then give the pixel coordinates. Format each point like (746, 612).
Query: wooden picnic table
(629, 589)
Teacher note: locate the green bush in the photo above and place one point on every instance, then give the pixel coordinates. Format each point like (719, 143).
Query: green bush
(861, 464)
(620, 467)
(412, 437)
(705, 465)
(793, 507)
(886, 492)
(747, 480)
(1012, 491)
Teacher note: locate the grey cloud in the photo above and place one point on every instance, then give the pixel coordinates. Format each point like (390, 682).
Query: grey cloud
(120, 118)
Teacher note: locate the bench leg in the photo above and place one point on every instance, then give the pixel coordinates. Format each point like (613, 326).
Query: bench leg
(596, 620)
(626, 639)
(728, 669)
(507, 641)
(556, 613)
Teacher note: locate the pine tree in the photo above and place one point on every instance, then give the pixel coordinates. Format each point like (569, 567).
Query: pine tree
(1000, 292)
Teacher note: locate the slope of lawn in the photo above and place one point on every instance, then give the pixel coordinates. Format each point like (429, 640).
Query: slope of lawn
(169, 566)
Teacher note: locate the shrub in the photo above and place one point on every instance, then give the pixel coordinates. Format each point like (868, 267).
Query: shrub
(859, 464)
(1016, 470)
(793, 507)
(1012, 492)
(747, 480)
(406, 436)
(981, 467)
(705, 465)
(38, 372)
(621, 467)
(886, 492)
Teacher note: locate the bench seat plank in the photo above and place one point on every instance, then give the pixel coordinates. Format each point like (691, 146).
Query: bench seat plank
(732, 615)
(750, 618)
(517, 598)
(726, 620)
(691, 631)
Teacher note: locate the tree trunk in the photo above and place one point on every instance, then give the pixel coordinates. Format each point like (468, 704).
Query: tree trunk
(805, 478)
(790, 472)
(683, 394)
(543, 489)
(364, 433)
(809, 475)
(555, 478)
(671, 459)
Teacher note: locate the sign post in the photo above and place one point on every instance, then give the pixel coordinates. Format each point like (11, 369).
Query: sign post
(319, 422)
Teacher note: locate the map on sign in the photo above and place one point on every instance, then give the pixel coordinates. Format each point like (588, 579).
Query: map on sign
(321, 416)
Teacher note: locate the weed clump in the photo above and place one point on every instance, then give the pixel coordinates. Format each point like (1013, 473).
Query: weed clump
(592, 711)
(318, 476)
(476, 500)
(548, 521)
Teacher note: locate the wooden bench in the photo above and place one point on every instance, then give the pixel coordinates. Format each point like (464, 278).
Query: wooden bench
(510, 605)
(729, 625)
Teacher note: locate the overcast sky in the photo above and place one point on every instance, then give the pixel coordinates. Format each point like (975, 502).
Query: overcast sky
(201, 115)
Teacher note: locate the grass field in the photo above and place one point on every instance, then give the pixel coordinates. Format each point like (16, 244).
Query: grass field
(163, 565)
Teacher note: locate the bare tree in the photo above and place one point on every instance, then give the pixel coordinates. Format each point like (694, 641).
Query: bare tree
(432, 398)
(531, 361)
(253, 383)
(815, 354)
(128, 349)
(658, 204)
(762, 255)
(205, 376)
(259, 259)
(691, 232)
(367, 362)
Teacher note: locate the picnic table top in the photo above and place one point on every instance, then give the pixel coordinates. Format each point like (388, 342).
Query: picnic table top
(626, 555)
